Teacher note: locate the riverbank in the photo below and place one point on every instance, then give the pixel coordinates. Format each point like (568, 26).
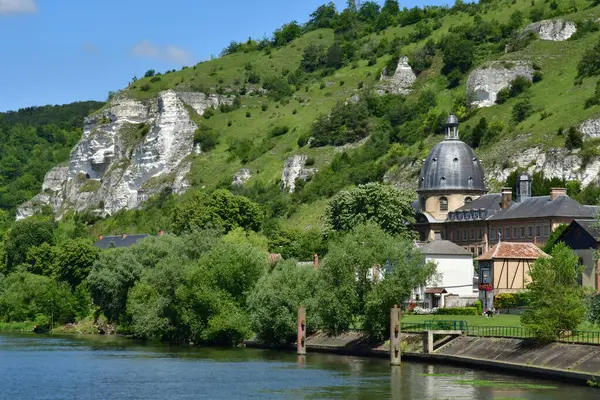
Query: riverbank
(16, 327)
(573, 363)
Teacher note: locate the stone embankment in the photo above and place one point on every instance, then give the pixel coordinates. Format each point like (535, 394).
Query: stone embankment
(576, 363)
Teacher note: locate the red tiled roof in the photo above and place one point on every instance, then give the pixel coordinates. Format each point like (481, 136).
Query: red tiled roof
(513, 250)
(435, 291)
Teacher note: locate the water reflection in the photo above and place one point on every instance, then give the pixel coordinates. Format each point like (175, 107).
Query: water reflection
(101, 368)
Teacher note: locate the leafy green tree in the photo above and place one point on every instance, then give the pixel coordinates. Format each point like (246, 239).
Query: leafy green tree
(346, 293)
(335, 55)
(552, 239)
(369, 11)
(522, 110)
(345, 124)
(274, 301)
(287, 33)
(589, 65)
(458, 55)
(24, 235)
(556, 298)
(389, 208)
(574, 139)
(322, 17)
(313, 57)
(74, 261)
(40, 259)
(222, 210)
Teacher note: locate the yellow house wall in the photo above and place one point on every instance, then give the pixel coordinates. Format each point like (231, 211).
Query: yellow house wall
(508, 274)
(455, 201)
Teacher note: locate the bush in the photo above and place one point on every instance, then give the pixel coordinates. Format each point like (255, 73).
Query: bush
(589, 65)
(279, 130)
(372, 61)
(253, 77)
(574, 139)
(209, 112)
(458, 311)
(510, 300)
(264, 106)
(593, 308)
(156, 79)
(207, 137)
(522, 110)
(537, 76)
(479, 306)
(248, 114)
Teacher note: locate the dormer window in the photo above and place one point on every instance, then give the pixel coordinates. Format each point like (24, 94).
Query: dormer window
(468, 200)
(443, 203)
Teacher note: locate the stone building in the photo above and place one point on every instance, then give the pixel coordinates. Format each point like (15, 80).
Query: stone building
(454, 202)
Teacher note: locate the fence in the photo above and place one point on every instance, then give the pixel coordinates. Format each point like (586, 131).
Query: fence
(584, 337)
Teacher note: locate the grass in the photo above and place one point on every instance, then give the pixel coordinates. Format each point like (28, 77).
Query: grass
(472, 320)
(11, 327)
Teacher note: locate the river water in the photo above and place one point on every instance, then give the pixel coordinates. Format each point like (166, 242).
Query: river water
(44, 367)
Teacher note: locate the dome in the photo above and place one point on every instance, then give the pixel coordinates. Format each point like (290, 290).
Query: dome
(452, 166)
(451, 120)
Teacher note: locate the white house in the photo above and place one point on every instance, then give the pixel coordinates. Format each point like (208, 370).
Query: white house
(453, 283)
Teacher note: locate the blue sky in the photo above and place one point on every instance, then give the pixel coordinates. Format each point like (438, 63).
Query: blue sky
(60, 51)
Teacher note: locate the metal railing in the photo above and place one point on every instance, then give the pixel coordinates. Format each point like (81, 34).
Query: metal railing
(583, 337)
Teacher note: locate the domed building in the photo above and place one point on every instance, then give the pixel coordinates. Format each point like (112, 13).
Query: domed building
(454, 203)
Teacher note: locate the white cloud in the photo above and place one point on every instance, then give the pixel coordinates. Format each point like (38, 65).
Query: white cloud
(170, 53)
(17, 6)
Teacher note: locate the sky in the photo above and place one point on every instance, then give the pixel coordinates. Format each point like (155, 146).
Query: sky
(61, 51)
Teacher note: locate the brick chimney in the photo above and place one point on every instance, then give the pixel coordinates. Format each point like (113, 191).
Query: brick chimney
(506, 197)
(316, 261)
(555, 193)
(123, 235)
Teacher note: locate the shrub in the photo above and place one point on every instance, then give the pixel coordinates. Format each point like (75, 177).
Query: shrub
(574, 139)
(279, 130)
(537, 76)
(150, 73)
(209, 112)
(206, 137)
(511, 300)
(503, 95)
(264, 106)
(458, 311)
(248, 114)
(593, 308)
(479, 306)
(589, 65)
(372, 61)
(155, 79)
(522, 110)
(145, 87)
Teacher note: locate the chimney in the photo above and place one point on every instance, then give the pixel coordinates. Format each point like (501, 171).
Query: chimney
(555, 193)
(100, 237)
(316, 261)
(123, 235)
(506, 198)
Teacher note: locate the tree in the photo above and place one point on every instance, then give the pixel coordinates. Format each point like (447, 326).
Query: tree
(589, 65)
(458, 55)
(551, 242)
(391, 6)
(369, 11)
(556, 298)
(382, 204)
(347, 294)
(150, 73)
(222, 210)
(287, 33)
(74, 261)
(522, 110)
(274, 301)
(335, 55)
(313, 57)
(574, 139)
(24, 235)
(322, 17)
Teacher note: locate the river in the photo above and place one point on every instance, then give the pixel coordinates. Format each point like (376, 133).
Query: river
(64, 367)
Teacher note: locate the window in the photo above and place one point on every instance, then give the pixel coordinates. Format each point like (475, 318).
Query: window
(530, 231)
(465, 238)
(515, 232)
(507, 233)
(443, 204)
(538, 231)
(422, 236)
(473, 250)
(499, 233)
(458, 236)
(493, 234)
(451, 236)
(522, 231)
(485, 275)
(468, 200)
(479, 251)
(480, 234)
(546, 231)
(472, 234)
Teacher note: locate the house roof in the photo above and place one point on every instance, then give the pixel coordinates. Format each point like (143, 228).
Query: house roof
(543, 207)
(513, 250)
(443, 247)
(118, 241)
(489, 202)
(435, 291)
(590, 226)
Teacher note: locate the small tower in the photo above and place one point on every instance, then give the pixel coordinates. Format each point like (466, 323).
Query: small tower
(523, 186)
(451, 127)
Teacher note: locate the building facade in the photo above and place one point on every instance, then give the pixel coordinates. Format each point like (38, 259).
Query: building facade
(454, 202)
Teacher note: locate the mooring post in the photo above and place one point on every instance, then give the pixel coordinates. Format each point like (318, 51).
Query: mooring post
(301, 331)
(395, 337)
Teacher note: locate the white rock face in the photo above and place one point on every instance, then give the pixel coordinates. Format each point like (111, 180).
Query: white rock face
(403, 79)
(127, 153)
(294, 168)
(553, 163)
(556, 30)
(590, 128)
(241, 177)
(484, 83)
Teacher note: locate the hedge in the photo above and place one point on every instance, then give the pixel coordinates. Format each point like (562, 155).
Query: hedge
(458, 311)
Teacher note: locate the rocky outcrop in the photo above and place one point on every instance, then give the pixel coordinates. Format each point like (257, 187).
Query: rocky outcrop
(484, 83)
(241, 177)
(294, 168)
(127, 153)
(590, 128)
(403, 79)
(555, 30)
(553, 163)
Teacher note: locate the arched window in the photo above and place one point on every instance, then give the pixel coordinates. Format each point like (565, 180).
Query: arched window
(468, 200)
(443, 204)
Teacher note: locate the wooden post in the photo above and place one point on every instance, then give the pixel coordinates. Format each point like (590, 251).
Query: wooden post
(395, 337)
(301, 344)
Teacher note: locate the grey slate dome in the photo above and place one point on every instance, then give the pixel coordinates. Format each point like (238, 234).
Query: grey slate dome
(452, 166)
